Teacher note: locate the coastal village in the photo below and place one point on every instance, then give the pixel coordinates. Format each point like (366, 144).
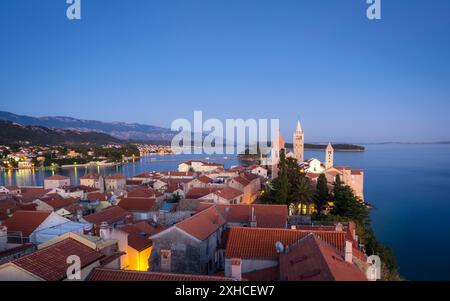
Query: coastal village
(201, 222)
(31, 157)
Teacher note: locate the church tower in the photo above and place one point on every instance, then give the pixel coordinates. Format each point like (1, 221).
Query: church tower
(299, 143)
(329, 156)
(277, 145)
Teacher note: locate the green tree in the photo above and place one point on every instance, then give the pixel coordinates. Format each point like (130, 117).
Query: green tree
(302, 192)
(322, 195)
(281, 184)
(349, 206)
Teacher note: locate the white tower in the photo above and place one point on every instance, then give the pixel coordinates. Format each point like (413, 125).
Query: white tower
(277, 145)
(299, 143)
(329, 156)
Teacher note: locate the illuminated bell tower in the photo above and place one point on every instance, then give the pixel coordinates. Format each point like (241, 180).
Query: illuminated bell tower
(299, 143)
(329, 156)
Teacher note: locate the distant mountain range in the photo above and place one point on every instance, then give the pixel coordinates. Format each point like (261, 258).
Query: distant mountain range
(13, 133)
(120, 130)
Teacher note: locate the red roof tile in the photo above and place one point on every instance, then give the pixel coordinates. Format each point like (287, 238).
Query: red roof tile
(110, 215)
(228, 193)
(241, 180)
(315, 260)
(25, 221)
(142, 192)
(139, 233)
(177, 173)
(198, 192)
(96, 196)
(260, 242)
(31, 194)
(123, 275)
(137, 204)
(204, 179)
(50, 263)
(267, 216)
(269, 274)
(61, 203)
(203, 224)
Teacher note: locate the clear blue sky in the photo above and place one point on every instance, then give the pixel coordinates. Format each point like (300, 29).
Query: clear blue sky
(150, 61)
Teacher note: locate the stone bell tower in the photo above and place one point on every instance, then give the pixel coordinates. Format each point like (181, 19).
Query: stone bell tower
(299, 143)
(277, 145)
(329, 156)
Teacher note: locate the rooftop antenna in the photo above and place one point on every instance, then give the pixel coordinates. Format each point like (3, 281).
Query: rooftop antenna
(279, 247)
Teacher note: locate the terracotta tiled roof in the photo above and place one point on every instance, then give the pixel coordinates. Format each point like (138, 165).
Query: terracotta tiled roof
(171, 181)
(267, 216)
(11, 187)
(8, 204)
(60, 203)
(228, 193)
(202, 224)
(249, 176)
(204, 179)
(137, 238)
(133, 182)
(139, 233)
(96, 196)
(172, 188)
(31, 194)
(57, 177)
(50, 263)
(142, 192)
(177, 173)
(123, 275)
(110, 215)
(241, 180)
(269, 274)
(137, 204)
(28, 207)
(198, 192)
(148, 175)
(313, 259)
(26, 221)
(86, 189)
(260, 243)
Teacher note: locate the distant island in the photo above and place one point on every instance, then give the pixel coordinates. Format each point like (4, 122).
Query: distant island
(343, 147)
(337, 147)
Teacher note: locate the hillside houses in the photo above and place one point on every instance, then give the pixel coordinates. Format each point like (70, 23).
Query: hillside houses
(187, 224)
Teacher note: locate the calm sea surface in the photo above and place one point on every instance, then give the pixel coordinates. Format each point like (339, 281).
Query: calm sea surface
(408, 184)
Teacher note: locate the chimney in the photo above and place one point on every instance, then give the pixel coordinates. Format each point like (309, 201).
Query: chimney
(3, 237)
(348, 251)
(105, 231)
(236, 269)
(253, 222)
(352, 229)
(293, 227)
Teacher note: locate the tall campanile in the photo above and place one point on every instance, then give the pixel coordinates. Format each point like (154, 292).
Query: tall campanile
(329, 156)
(299, 143)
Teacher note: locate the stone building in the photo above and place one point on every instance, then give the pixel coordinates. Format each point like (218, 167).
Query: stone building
(190, 246)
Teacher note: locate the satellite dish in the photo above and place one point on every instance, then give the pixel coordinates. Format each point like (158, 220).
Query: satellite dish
(279, 247)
